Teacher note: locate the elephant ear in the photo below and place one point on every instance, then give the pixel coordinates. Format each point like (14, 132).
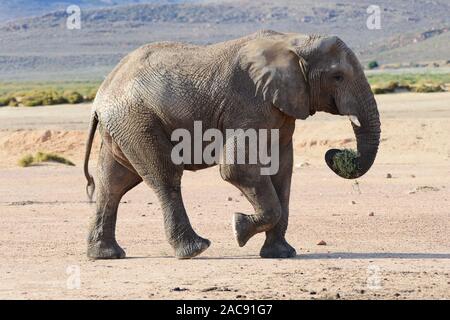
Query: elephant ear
(279, 75)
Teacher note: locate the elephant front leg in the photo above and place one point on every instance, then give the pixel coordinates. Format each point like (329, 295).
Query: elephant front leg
(275, 245)
(261, 193)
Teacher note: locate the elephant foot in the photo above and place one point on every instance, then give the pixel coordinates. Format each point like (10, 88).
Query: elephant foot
(103, 249)
(191, 247)
(277, 249)
(243, 228)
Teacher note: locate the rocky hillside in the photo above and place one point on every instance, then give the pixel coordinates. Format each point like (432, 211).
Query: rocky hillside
(42, 47)
(14, 9)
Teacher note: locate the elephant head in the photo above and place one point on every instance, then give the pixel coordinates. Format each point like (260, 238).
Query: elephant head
(300, 75)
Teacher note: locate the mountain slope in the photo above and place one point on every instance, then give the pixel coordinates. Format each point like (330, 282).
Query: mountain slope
(13, 9)
(42, 47)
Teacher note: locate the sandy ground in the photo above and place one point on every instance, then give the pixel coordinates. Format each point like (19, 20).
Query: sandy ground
(386, 238)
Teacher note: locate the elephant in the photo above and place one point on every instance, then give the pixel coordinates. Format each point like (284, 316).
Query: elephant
(266, 80)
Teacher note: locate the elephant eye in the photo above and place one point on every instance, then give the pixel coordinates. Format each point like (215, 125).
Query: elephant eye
(338, 77)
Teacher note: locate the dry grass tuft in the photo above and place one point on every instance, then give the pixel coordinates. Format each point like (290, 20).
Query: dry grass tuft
(29, 159)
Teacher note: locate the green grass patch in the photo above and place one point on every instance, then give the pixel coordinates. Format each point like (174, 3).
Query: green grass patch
(414, 82)
(409, 78)
(32, 94)
(52, 93)
(39, 157)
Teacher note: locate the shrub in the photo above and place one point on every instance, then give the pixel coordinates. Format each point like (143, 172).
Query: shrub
(32, 99)
(13, 102)
(427, 88)
(390, 87)
(44, 98)
(51, 98)
(373, 64)
(26, 160)
(4, 101)
(29, 159)
(91, 95)
(409, 79)
(31, 103)
(378, 90)
(73, 97)
(52, 157)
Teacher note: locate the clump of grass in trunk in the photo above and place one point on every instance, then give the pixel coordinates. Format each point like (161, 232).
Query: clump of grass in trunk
(344, 163)
(43, 157)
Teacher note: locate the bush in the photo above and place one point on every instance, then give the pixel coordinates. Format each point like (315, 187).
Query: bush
(427, 88)
(390, 87)
(51, 157)
(409, 79)
(33, 98)
(29, 159)
(51, 98)
(372, 65)
(91, 95)
(44, 98)
(73, 97)
(378, 90)
(4, 101)
(32, 101)
(26, 160)
(13, 102)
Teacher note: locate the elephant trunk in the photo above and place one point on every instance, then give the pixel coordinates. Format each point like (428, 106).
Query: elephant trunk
(367, 137)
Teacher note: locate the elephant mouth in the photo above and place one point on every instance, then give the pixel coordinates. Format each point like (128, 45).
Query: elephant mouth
(333, 107)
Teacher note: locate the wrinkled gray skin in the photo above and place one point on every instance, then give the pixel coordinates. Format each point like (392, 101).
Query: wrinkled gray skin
(264, 81)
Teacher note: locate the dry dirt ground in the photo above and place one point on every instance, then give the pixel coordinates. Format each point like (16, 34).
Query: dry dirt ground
(385, 237)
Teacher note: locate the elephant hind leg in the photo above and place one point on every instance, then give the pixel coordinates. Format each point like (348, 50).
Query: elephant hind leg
(114, 180)
(150, 155)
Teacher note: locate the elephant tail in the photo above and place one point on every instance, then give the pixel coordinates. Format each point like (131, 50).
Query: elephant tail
(90, 187)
